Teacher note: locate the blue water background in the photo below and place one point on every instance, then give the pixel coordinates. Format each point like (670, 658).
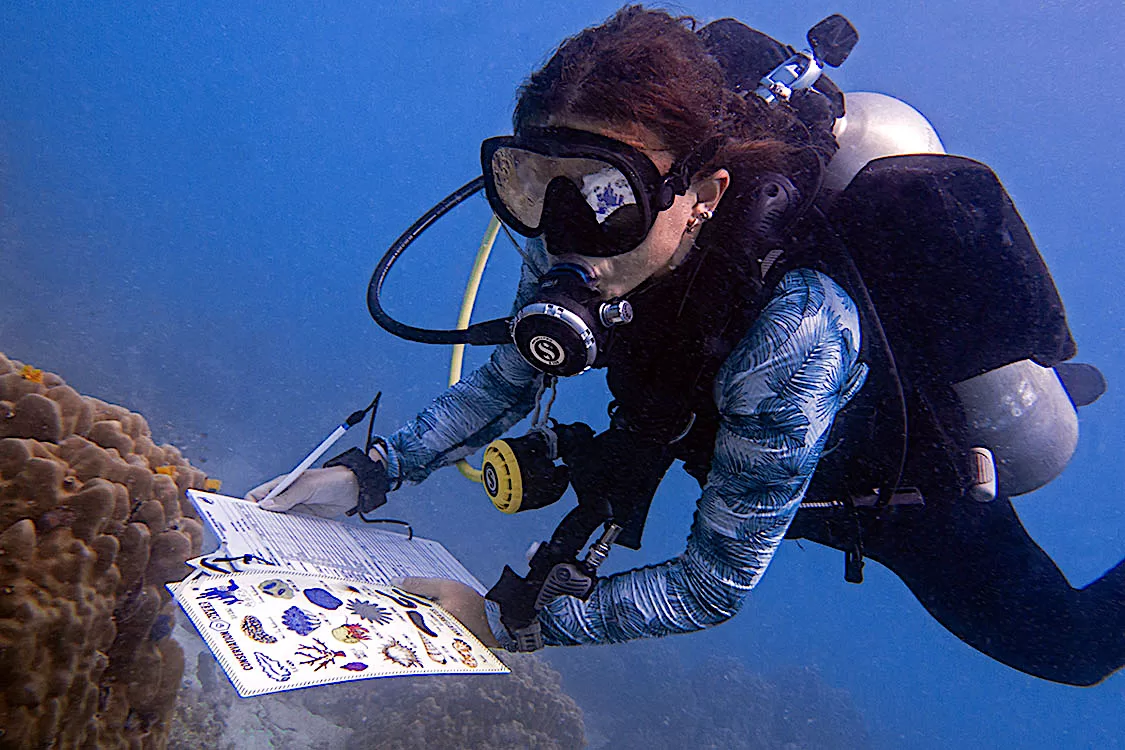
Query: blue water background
(193, 196)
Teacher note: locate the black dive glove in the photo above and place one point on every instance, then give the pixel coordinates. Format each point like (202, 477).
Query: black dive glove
(371, 476)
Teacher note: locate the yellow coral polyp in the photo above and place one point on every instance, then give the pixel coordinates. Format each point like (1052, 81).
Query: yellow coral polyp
(34, 374)
(168, 470)
(213, 485)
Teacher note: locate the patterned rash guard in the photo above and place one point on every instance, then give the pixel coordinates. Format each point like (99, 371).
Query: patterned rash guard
(777, 394)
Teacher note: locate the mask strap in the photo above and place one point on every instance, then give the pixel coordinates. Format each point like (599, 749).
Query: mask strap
(682, 171)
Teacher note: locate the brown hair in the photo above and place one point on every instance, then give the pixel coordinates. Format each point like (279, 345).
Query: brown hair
(647, 67)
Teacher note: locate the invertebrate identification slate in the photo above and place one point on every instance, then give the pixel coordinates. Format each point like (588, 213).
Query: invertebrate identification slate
(280, 630)
(321, 546)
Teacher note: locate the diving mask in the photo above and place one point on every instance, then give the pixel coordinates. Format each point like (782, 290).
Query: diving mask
(588, 194)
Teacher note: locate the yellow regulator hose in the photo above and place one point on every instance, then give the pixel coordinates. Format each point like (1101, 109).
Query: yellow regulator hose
(471, 288)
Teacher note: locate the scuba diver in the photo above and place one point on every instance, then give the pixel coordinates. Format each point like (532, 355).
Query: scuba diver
(822, 337)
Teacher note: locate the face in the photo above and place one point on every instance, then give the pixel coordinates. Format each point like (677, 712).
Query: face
(668, 242)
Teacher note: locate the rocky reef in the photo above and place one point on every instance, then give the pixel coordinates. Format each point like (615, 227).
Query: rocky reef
(93, 522)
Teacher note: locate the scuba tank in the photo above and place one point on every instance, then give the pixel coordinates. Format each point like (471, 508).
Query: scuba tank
(1019, 420)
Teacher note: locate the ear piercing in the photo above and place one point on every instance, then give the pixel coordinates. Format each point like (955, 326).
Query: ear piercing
(697, 220)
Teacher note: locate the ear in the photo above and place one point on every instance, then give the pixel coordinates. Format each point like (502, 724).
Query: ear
(710, 190)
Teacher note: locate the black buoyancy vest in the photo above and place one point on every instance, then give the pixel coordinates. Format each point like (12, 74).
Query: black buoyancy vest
(937, 259)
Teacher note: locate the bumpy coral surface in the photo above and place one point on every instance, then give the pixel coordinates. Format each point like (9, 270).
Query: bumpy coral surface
(93, 522)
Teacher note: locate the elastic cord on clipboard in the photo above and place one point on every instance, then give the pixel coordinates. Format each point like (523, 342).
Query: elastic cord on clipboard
(214, 564)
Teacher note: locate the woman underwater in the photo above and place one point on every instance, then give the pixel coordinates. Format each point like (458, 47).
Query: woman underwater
(734, 362)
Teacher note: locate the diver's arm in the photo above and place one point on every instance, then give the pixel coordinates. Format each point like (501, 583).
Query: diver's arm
(777, 394)
(476, 410)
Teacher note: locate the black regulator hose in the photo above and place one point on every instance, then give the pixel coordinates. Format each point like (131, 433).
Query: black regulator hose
(488, 333)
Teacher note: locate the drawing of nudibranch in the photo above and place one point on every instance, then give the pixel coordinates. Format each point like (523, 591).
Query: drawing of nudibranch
(253, 627)
(273, 669)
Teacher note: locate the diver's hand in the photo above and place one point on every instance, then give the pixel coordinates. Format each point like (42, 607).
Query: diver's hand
(318, 492)
(457, 599)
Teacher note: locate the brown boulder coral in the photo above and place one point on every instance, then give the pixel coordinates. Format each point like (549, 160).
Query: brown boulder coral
(93, 522)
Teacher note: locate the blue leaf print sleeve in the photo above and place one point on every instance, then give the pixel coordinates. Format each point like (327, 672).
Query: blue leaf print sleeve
(480, 408)
(777, 394)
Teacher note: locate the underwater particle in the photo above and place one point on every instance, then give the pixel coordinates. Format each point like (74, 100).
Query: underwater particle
(300, 621)
(273, 669)
(401, 654)
(433, 652)
(370, 611)
(253, 628)
(276, 587)
(354, 666)
(34, 374)
(322, 598)
(420, 623)
(318, 656)
(225, 595)
(351, 633)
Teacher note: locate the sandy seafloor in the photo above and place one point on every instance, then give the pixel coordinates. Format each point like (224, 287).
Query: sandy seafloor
(192, 198)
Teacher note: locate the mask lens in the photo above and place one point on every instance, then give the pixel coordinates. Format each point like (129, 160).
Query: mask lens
(520, 179)
(608, 192)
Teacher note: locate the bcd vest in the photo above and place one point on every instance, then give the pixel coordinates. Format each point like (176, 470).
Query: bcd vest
(948, 282)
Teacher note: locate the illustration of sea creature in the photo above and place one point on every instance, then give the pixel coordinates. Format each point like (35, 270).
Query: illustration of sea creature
(351, 633)
(276, 587)
(253, 627)
(300, 621)
(465, 653)
(432, 651)
(401, 654)
(318, 656)
(420, 623)
(322, 598)
(225, 595)
(273, 669)
(370, 611)
(354, 666)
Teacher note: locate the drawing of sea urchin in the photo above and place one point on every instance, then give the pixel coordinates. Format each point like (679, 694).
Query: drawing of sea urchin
(370, 611)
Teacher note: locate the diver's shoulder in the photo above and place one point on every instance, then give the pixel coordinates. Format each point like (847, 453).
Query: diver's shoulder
(817, 294)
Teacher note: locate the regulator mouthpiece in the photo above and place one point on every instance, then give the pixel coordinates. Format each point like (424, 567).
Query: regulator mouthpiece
(564, 328)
